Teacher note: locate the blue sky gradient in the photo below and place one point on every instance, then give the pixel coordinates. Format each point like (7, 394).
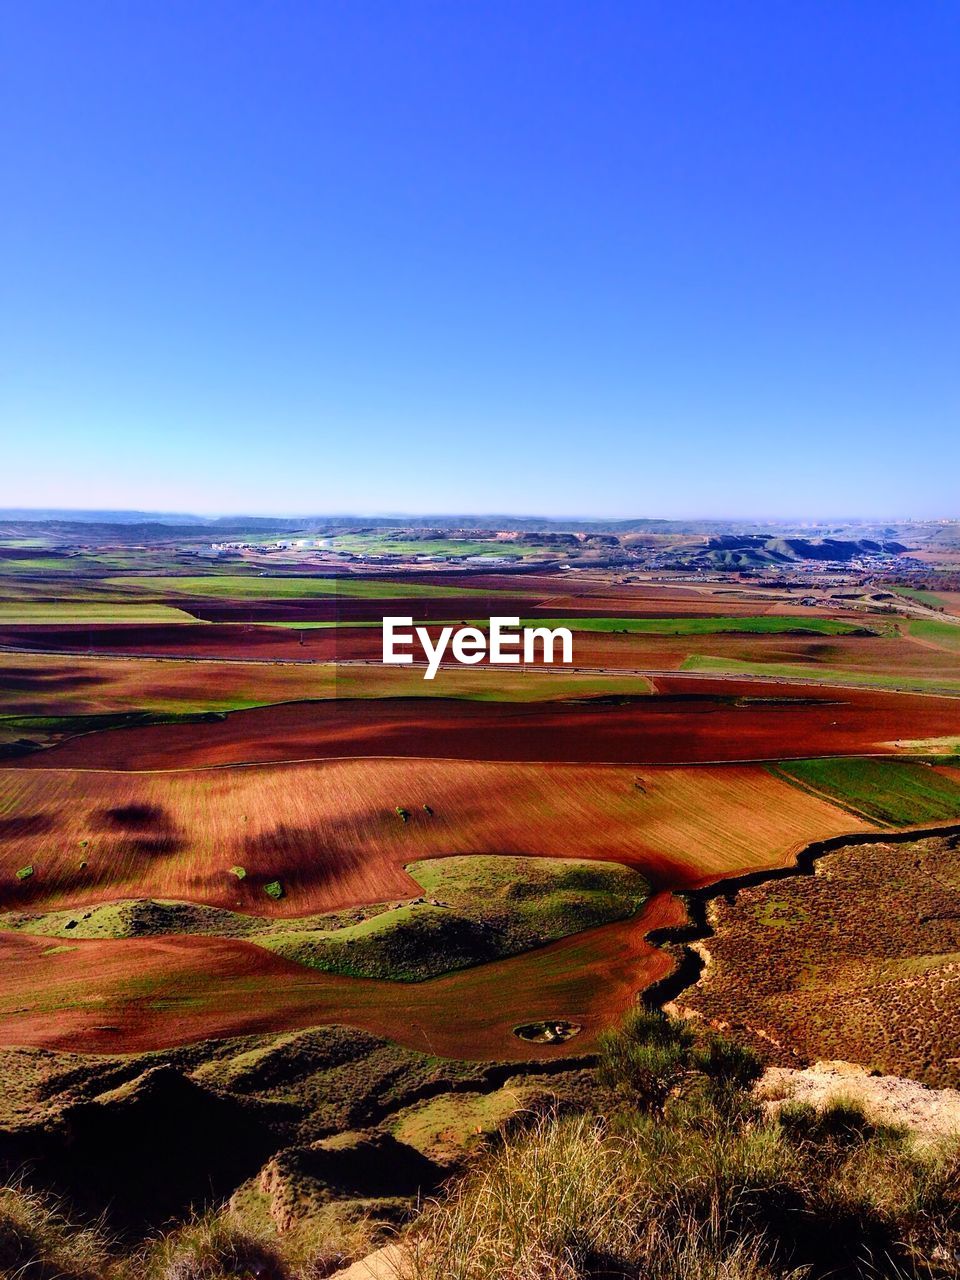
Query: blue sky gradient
(565, 257)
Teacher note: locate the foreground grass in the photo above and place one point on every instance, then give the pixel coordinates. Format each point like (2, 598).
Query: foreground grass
(677, 1175)
(40, 1241)
(665, 1169)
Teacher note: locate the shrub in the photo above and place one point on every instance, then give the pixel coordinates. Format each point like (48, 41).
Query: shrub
(727, 1062)
(645, 1059)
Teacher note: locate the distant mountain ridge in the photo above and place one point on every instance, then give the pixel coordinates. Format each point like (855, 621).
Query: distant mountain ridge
(755, 550)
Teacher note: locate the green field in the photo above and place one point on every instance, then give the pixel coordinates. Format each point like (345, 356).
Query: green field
(900, 793)
(945, 635)
(65, 612)
(484, 684)
(826, 675)
(764, 625)
(928, 598)
(237, 587)
(377, 546)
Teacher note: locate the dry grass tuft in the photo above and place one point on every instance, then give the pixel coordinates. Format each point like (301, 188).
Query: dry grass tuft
(38, 1241)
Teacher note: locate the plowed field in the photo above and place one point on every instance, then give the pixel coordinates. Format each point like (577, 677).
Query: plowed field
(692, 721)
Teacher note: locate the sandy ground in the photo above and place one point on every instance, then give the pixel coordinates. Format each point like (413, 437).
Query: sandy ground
(929, 1113)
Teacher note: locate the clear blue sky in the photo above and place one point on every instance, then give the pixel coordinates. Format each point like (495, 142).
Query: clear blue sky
(539, 256)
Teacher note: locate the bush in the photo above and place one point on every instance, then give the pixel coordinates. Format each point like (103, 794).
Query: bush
(645, 1059)
(697, 1189)
(728, 1063)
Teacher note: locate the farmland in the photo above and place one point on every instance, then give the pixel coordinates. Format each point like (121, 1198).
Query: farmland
(899, 793)
(218, 800)
(331, 835)
(767, 624)
(687, 721)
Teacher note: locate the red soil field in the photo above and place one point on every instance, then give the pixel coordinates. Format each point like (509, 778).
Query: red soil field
(893, 655)
(350, 609)
(330, 833)
(691, 721)
(179, 641)
(140, 994)
(38, 684)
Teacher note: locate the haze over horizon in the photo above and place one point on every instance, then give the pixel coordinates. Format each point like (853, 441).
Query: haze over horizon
(612, 258)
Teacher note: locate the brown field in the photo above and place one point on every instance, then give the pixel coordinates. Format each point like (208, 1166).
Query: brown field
(50, 685)
(184, 640)
(139, 994)
(38, 684)
(893, 655)
(329, 832)
(353, 609)
(692, 720)
(860, 961)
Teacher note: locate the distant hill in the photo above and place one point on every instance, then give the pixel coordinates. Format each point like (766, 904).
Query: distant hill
(732, 551)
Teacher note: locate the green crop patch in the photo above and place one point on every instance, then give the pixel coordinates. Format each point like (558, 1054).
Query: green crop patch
(763, 625)
(945, 635)
(65, 612)
(899, 793)
(929, 598)
(373, 545)
(279, 587)
(822, 674)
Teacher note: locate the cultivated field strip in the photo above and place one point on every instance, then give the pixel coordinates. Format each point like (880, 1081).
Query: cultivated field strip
(691, 721)
(330, 834)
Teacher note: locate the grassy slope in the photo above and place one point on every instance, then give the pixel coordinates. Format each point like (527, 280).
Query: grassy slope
(492, 907)
(945, 635)
(923, 597)
(899, 792)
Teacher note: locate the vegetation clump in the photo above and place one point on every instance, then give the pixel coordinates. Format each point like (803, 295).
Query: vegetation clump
(38, 1241)
(674, 1172)
(475, 909)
